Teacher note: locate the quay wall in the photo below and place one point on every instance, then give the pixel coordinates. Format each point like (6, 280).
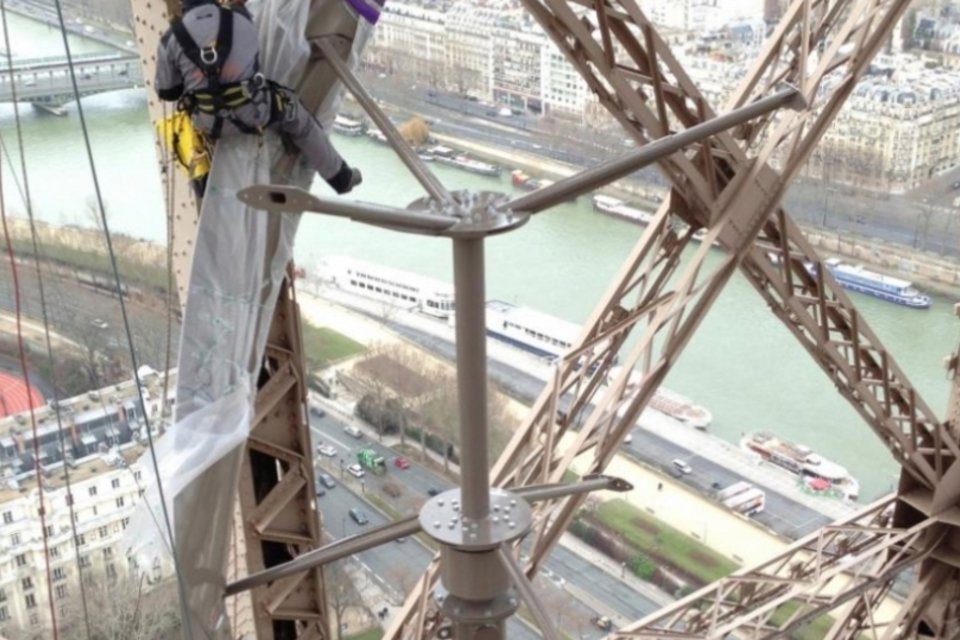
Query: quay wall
(928, 270)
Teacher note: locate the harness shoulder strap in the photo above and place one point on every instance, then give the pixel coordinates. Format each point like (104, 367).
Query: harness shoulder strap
(186, 42)
(210, 65)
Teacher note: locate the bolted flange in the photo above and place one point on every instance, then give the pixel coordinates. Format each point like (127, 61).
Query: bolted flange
(478, 213)
(510, 518)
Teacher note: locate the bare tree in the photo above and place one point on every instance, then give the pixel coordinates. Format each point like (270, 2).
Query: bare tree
(441, 413)
(343, 594)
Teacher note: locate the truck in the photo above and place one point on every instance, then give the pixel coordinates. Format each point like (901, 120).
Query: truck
(372, 461)
(743, 497)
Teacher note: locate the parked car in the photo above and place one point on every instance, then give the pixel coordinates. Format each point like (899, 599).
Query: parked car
(317, 410)
(327, 450)
(321, 491)
(401, 463)
(351, 430)
(432, 491)
(682, 466)
(99, 324)
(358, 516)
(327, 480)
(356, 471)
(602, 622)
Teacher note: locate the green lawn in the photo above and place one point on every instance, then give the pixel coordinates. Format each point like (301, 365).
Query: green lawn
(374, 633)
(814, 630)
(658, 539)
(323, 346)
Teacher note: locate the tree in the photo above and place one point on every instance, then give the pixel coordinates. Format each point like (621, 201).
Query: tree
(343, 592)
(118, 608)
(441, 415)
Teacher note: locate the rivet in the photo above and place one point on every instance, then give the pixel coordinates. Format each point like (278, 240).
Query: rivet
(440, 503)
(436, 525)
(513, 503)
(496, 519)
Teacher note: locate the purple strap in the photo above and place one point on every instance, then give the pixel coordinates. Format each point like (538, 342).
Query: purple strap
(369, 13)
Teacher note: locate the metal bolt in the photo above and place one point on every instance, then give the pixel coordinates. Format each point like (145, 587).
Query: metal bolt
(496, 519)
(513, 503)
(496, 508)
(436, 525)
(512, 525)
(440, 503)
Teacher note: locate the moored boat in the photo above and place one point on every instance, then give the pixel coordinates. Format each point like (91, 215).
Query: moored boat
(347, 126)
(857, 278)
(469, 164)
(817, 473)
(521, 180)
(619, 209)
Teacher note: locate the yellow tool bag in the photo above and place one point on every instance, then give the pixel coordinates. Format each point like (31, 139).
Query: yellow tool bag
(187, 145)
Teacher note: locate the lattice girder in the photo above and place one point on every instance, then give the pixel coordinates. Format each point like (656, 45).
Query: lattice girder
(721, 185)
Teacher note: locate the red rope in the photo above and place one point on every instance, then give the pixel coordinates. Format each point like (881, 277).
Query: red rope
(33, 417)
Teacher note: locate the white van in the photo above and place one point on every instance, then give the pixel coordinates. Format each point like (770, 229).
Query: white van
(351, 430)
(682, 466)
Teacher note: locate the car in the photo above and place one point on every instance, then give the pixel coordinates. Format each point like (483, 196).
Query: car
(356, 471)
(321, 491)
(327, 480)
(351, 430)
(602, 622)
(628, 439)
(99, 323)
(682, 466)
(433, 491)
(358, 516)
(401, 539)
(317, 411)
(326, 450)
(401, 463)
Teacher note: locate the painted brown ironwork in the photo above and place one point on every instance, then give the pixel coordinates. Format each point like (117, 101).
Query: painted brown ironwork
(728, 186)
(729, 189)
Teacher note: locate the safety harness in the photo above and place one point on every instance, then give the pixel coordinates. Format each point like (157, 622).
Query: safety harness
(218, 99)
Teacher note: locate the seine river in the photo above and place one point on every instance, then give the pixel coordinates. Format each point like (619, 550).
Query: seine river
(742, 364)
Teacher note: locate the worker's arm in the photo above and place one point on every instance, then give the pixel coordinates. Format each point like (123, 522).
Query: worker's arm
(169, 81)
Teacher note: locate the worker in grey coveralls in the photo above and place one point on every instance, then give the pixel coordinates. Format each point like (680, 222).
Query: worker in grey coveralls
(208, 61)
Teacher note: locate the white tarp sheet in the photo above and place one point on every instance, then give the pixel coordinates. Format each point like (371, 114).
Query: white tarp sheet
(239, 263)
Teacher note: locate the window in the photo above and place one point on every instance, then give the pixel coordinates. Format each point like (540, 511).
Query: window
(120, 502)
(27, 583)
(3, 595)
(111, 571)
(137, 475)
(54, 552)
(85, 562)
(31, 601)
(108, 552)
(61, 591)
(92, 490)
(21, 560)
(49, 530)
(15, 539)
(104, 532)
(4, 614)
(7, 517)
(59, 574)
(81, 540)
(115, 483)
(125, 522)
(34, 620)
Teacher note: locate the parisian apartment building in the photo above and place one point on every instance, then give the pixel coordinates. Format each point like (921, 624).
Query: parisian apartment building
(898, 129)
(85, 452)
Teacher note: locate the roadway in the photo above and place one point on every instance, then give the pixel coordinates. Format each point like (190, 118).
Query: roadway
(399, 564)
(782, 514)
(924, 219)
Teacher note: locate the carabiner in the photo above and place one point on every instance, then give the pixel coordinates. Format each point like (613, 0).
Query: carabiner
(208, 56)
